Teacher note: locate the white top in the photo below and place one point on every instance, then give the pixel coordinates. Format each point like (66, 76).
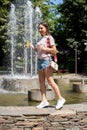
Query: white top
(43, 42)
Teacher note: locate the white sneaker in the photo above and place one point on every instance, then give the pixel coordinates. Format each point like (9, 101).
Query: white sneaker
(43, 104)
(60, 103)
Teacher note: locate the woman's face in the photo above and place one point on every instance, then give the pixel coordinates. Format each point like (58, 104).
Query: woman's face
(42, 29)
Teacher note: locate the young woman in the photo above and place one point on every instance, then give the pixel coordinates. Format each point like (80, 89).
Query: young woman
(44, 70)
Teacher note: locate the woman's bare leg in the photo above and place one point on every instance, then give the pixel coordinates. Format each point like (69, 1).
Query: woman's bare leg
(42, 85)
(49, 75)
(44, 101)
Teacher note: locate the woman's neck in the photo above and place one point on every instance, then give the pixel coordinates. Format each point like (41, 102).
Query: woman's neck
(45, 35)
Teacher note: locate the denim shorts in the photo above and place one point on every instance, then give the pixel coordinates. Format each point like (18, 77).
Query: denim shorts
(43, 64)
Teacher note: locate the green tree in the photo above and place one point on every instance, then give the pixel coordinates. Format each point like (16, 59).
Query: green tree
(74, 17)
(4, 8)
(49, 12)
(72, 26)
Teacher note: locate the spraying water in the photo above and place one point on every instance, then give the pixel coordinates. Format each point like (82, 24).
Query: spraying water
(12, 33)
(22, 27)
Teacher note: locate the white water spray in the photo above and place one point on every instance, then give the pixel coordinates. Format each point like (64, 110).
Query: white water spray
(23, 22)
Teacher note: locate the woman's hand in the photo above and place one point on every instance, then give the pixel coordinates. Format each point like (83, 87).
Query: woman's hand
(32, 46)
(42, 48)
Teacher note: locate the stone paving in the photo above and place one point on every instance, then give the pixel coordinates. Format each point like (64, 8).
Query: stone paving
(32, 110)
(70, 117)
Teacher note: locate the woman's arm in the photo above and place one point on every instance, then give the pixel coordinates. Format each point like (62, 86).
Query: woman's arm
(51, 50)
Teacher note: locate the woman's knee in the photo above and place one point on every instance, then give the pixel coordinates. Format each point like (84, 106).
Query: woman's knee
(50, 82)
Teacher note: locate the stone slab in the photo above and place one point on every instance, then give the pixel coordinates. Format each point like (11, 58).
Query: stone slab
(32, 110)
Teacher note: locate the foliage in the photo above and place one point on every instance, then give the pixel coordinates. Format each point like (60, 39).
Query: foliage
(72, 26)
(4, 8)
(74, 17)
(49, 12)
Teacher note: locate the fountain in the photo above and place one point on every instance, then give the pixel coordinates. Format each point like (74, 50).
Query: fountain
(22, 27)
